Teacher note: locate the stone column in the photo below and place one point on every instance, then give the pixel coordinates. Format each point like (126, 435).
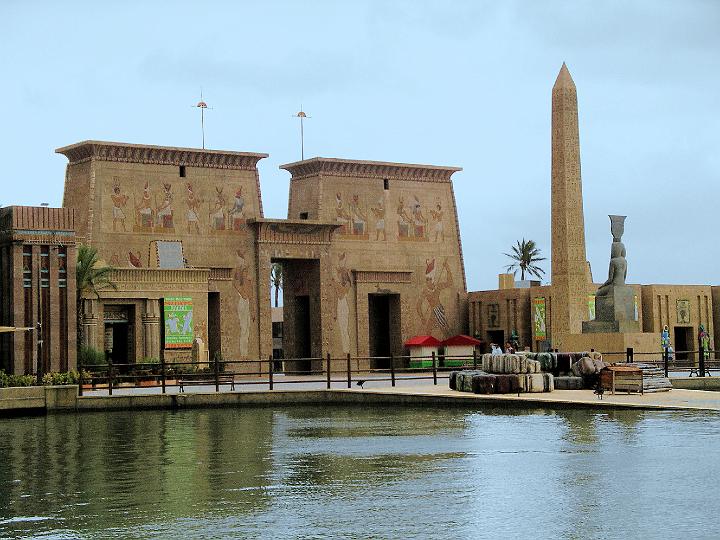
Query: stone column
(151, 329)
(90, 323)
(264, 315)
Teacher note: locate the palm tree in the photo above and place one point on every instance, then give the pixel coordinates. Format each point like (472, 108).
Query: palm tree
(276, 279)
(524, 256)
(90, 277)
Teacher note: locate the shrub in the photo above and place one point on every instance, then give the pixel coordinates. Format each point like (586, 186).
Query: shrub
(7, 380)
(62, 378)
(90, 357)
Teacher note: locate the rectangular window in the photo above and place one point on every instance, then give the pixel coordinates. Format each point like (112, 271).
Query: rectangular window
(62, 267)
(303, 215)
(27, 267)
(386, 184)
(182, 171)
(44, 266)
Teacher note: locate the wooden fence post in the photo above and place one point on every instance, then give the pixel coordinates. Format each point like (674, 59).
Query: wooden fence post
(434, 367)
(110, 377)
(328, 371)
(392, 370)
(162, 373)
(80, 376)
(349, 371)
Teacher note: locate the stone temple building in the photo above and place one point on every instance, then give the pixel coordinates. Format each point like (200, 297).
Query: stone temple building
(551, 316)
(371, 254)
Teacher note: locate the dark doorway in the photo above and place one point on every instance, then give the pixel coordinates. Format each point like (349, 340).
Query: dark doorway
(497, 337)
(214, 343)
(384, 328)
(683, 342)
(303, 336)
(116, 343)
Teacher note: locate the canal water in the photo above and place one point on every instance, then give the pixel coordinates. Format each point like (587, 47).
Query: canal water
(340, 472)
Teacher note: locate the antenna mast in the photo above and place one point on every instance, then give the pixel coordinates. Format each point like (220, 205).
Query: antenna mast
(301, 115)
(202, 106)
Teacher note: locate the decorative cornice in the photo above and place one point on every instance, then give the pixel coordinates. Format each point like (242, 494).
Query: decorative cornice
(285, 231)
(157, 275)
(159, 155)
(320, 166)
(382, 276)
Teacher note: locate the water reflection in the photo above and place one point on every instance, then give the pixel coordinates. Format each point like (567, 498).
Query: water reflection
(358, 472)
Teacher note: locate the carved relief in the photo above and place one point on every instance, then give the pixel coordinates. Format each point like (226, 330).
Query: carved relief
(144, 212)
(430, 307)
(379, 212)
(193, 210)
(342, 282)
(242, 283)
(164, 210)
(119, 201)
(217, 210)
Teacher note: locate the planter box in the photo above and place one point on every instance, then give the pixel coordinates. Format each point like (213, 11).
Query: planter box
(22, 397)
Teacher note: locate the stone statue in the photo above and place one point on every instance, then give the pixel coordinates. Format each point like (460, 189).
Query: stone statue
(618, 269)
(614, 300)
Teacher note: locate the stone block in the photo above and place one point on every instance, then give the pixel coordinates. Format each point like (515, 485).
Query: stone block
(614, 312)
(568, 383)
(483, 384)
(61, 397)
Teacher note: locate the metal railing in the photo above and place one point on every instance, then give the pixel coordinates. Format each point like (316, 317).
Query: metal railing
(325, 370)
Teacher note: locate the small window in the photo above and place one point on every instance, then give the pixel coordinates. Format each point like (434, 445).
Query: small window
(182, 171)
(386, 183)
(303, 215)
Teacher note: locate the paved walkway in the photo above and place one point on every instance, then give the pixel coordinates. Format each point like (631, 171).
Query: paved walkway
(406, 386)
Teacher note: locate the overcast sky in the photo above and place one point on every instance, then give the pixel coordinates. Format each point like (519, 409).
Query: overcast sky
(448, 83)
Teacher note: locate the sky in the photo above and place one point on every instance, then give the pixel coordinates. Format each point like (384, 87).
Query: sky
(456, 83)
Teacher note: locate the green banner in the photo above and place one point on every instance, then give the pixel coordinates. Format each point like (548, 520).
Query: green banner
(178, 315)
(591, 307)
(539, 325)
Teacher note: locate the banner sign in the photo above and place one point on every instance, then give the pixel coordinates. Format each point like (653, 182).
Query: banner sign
(539, 327)
(178, 316)
(591, 307)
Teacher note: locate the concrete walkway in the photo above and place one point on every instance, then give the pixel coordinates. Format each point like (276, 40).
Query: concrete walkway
(424, 391)
(674, 399)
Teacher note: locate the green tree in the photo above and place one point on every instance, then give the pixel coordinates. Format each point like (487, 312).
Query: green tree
(276, 279)
(525, 255)
(91, 278)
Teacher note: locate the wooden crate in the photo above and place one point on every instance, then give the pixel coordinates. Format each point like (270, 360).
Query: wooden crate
(622, 378)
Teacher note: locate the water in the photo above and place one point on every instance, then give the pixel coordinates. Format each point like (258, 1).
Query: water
(337, 472)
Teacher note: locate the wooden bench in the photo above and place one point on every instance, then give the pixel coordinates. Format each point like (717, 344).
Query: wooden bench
(205, 380)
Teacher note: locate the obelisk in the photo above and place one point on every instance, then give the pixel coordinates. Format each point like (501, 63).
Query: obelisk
(570, 274)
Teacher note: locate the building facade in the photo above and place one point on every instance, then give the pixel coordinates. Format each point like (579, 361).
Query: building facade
(37, 289)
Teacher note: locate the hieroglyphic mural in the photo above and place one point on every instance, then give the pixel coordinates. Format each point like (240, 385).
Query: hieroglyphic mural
(155, 209)
(415, 222)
